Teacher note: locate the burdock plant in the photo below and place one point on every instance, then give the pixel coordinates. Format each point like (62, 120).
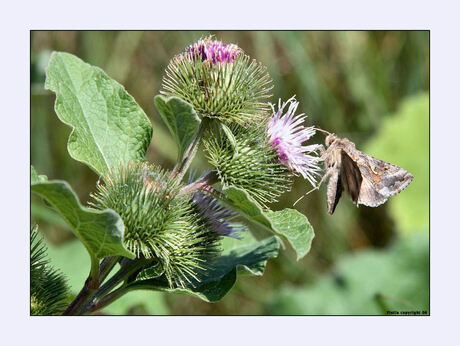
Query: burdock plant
(163, 232)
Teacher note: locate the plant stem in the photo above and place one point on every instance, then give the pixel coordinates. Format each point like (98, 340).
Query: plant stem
(128, 267)
(108, 299)
(86, 293)
(106, 267)
(94, 274)
(91, 293)
(203, 184)
(181, 168)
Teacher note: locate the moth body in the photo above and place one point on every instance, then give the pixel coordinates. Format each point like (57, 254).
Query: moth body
(368, 181)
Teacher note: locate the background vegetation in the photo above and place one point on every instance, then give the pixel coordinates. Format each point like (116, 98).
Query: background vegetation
(371, 87)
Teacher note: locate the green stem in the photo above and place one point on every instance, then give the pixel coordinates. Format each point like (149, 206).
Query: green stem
(106, 267)
(94, 274)
(91, 293)
(181, 168)
(128, 267)
(87, 292)
(108, 299)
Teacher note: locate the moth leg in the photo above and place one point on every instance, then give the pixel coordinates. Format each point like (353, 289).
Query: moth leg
(321, 149)
(322, 152)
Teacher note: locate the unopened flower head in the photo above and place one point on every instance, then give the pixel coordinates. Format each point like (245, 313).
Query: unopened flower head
(220, 81)
(243, 158)
(159, 224)
(217, 216)
(286, 134)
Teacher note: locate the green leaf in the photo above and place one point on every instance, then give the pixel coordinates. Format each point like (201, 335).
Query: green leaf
(35, 178)
(220, 278)
(287, 223)
(239, 199)
(41, 212)
(109, 127)
(230, 136)
(294, 226)
(101, 232)
(151, 271)
(180, 118)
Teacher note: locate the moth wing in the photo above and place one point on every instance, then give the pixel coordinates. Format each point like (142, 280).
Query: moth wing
(369, 196)
(381, 180)
(334, 190)
(351, 176)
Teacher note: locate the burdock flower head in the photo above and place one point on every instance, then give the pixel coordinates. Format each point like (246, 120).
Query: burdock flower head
(160, 225)
(220, 81)
(215, 52)
(243, 158)
(286, 134)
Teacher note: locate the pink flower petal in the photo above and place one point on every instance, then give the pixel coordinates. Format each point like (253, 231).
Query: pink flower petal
(286, 135)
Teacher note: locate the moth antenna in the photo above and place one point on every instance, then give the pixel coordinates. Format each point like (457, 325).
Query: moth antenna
(323, 131)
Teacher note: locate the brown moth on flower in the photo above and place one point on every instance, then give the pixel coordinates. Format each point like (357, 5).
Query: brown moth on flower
(368, 181)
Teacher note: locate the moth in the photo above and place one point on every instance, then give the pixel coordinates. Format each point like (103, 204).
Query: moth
(368, 181)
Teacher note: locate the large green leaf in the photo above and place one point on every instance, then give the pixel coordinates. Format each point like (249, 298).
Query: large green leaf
(180, 118)
(220, 278)
(109, 127)
(287, 223)
(100, 231)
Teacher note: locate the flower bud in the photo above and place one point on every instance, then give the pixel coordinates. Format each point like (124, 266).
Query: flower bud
(220, 81)
(159, 224)
(243, 158)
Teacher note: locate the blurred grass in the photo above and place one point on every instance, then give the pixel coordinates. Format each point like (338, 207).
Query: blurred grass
(370, 87)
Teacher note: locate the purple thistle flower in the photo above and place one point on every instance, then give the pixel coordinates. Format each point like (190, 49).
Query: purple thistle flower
(214, 51)
(286, 135)
(218, 216)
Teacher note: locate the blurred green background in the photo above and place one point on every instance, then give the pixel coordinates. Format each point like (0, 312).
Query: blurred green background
(369, 86)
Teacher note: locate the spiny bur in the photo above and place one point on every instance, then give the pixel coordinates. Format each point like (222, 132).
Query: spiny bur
(159, 224)
(243, 158)
(220, 81)
(49, 291)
